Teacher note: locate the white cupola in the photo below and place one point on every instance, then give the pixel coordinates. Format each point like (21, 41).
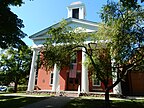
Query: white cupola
(76, 10)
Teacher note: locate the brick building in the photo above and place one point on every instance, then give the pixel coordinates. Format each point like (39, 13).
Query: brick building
(69, 79)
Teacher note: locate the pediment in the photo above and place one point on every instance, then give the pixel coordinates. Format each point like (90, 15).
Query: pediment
(88, 26)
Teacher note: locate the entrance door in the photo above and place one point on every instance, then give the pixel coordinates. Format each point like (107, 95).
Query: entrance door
(73, 83)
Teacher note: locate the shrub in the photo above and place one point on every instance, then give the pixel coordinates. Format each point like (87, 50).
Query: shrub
(22, 88)
(10, 89)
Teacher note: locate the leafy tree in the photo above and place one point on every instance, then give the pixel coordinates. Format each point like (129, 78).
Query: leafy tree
(64, 41)
(123, 28)
(15, 65)
(10, 25)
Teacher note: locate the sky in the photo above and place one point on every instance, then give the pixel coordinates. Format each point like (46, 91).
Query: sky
(40, 14)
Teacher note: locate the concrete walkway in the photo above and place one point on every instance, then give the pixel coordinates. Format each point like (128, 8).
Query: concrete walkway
(52, 102)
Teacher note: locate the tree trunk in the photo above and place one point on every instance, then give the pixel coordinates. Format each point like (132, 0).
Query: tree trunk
(15, 87)
(107, 101)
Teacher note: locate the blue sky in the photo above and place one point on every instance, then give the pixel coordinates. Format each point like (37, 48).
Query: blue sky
(40, 14)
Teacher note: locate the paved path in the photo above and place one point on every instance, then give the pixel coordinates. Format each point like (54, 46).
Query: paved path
(52, 102)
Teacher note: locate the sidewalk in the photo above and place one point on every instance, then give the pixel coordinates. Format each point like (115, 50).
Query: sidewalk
(52, 102)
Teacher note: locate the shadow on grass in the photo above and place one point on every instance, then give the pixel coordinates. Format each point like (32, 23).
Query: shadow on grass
(95, 103)
(18, 101)
(128, 104)
(85, 103)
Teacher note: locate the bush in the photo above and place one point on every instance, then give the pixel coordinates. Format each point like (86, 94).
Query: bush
(22, 88)
(10, 89)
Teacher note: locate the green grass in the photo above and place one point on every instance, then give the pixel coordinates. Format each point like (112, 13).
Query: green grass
(128, 104)
(97, 103)
(17, 101)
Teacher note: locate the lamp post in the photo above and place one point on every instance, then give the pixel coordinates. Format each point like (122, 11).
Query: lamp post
(92, 46)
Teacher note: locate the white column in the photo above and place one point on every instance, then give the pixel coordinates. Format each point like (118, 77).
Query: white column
(55, 78)
(32, 75)
(69, 12)
(84, 74)
(117, 88)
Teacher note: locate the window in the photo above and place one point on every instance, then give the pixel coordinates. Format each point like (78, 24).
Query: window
(51, 78)
(96, 82)
(75, 13)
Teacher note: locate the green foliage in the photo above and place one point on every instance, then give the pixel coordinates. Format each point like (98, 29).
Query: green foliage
(10, 25)
(131, 3)
(102, 64)
(6, 3)
(15, 65)
(22, 88)
(123, 27)
(10, 89)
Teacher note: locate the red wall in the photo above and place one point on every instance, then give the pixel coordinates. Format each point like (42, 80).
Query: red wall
(62, 79)
(79, 60)
(43, 81)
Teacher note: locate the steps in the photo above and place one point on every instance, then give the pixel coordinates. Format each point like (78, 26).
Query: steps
(71, 93)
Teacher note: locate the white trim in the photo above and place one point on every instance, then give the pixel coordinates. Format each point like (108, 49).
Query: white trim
(86, 22)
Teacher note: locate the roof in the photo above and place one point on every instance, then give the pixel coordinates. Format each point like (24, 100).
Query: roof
(74, 4)
(69, 20)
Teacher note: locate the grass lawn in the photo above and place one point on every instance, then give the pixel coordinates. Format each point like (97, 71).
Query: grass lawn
(97, 103)
(17, 101)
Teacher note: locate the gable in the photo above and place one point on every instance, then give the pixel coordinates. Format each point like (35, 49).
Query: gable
(88, 26)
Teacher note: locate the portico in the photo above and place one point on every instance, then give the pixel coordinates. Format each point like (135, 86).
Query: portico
(56, 73)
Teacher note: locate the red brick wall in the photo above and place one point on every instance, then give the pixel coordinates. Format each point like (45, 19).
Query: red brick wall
(43, 81)
(63, 79)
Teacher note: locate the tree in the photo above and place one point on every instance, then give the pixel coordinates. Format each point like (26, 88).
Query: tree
(64, 41)
(15, 65)
(10, 25)
(123, 28)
